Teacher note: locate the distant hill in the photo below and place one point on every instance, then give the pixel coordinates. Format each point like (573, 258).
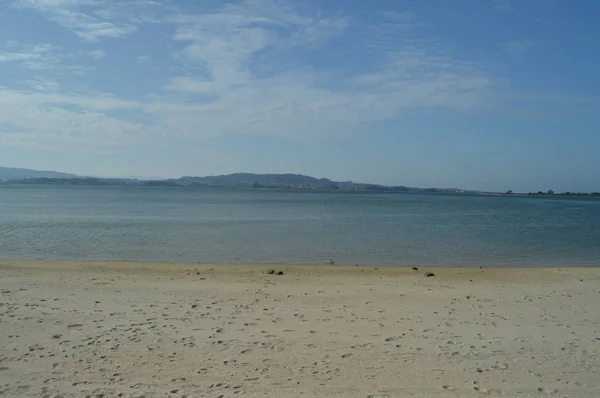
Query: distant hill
(266, 180)
(237, 180)
(11, 173)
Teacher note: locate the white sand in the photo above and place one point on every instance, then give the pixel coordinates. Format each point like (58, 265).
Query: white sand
(152, 330)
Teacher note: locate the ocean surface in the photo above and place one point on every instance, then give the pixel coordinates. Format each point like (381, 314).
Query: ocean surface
(255, 226)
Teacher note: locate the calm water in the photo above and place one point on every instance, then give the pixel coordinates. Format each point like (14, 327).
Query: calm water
(232, 226)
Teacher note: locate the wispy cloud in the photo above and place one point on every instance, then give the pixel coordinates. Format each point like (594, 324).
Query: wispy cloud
(237, 78)
(30, 56)
(401, 20)
(254, 67)
(516, 47)
(539, 7)
(226, 46)
(40, 58)
(94, 19)
(504, 5)
(223, 42)
(97, 54)
(48, 118)
(44, 84)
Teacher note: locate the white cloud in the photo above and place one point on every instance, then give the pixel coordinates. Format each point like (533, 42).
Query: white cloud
(52, 120)
(224, 41)
(243, 69)
(400, 20)
(221, 92)
(504, 5)
(30, 56)
(88, 27)
(224, 45)
(41, 83)
(537, 7)
(40, 58)
(94, 19)
(97, 54)
(516, 47)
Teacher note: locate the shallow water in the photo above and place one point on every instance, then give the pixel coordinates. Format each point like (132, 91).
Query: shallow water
(255, 226)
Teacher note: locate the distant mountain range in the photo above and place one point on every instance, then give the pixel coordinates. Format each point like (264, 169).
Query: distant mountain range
(11, 173)
(298, 182)
(237, 180)
(259, 181)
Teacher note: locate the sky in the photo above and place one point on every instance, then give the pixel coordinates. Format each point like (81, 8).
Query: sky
(476, 94)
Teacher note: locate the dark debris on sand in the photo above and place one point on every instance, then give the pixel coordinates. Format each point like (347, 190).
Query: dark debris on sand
(273, 272)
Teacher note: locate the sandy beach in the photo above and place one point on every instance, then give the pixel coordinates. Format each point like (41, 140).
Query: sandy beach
(71, 329)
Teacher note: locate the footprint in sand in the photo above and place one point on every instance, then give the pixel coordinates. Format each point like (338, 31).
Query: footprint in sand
(347, 355)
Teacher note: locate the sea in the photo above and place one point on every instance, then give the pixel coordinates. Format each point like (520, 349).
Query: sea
(217, 225)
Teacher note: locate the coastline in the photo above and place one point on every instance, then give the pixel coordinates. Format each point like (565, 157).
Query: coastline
(343, 264)
(497, 272)
(166, 329)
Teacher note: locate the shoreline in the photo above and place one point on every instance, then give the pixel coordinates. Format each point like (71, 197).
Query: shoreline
(515, 275)
(134, 329)
(340, 266)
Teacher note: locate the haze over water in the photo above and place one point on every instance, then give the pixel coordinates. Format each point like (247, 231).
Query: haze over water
(255, 226)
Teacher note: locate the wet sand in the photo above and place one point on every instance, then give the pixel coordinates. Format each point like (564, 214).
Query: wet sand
(71, 329)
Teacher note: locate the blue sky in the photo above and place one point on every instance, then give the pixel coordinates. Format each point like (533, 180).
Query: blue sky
(481, 94)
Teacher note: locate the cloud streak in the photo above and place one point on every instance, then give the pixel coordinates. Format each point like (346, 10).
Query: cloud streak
(225, 46)
(516, 47)
(30, 56)
(43, 58)
(256, 67)
(92, 20)
(47, 118)
(244, 71)
(504, 5)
